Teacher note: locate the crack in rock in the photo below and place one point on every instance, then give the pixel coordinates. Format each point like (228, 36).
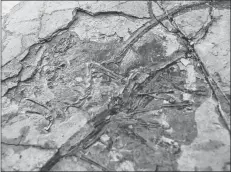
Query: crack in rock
(104, 86)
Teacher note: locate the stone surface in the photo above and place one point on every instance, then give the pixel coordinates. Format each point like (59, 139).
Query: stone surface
(105, 28)
(21, 159)
(191, 23)
(11, 69)
(51, 6)
(31, 11)
(7, 6)
(216, 50)
(25, 27)
(139, 9)
(104, 86)
(54, 21)
(11, 48)
(211, 148)
(70, 164)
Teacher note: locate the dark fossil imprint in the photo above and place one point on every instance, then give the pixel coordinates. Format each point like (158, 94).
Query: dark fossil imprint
(134, 115)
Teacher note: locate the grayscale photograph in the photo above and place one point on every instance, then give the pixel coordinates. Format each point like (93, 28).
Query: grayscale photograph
(115, 85)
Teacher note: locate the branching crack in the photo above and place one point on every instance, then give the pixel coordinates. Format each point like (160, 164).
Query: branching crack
(176, 29)
(9, 89)
(190, 47)
(118, 57)
(202, 32)
(97, 125)
(75, 17)
(13, 76)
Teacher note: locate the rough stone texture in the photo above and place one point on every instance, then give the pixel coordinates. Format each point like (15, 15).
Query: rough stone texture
(192, 22)
(21, 159)
(53, 21)
(11, 48)
(51, 7)
(116, 86)
(216, 49)
(25, 27)
(71, 164)
(208, 150)
(139, 8)
(105, 28)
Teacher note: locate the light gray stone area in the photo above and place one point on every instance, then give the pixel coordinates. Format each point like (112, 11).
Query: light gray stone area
(207, 150)
(137, 9)
(216, 49)
(116, 86)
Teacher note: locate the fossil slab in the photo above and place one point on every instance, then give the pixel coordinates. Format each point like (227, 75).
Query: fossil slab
(116, 86)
